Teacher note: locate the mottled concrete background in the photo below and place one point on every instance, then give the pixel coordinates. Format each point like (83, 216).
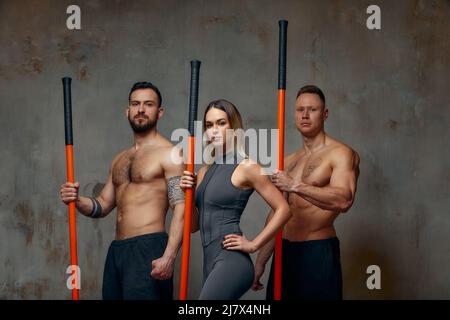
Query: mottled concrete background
(387, 91)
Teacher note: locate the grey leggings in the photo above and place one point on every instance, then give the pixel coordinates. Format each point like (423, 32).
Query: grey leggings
(227, 274)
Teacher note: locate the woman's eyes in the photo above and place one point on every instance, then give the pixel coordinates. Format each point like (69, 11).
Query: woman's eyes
(223, 123)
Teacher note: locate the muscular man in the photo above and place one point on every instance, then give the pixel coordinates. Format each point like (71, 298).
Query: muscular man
(143, 182)
(320, 183)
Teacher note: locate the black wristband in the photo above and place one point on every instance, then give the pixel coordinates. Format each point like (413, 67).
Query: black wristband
(96, 209)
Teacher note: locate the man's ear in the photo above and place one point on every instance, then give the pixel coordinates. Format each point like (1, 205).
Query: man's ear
(127, 112)
(160, 112)
(325, 114)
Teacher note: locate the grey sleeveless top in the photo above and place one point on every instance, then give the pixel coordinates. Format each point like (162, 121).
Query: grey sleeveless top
(219, 202)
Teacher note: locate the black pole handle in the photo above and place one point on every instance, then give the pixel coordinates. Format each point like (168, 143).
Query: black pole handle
(283, 24)
(193, 98)
(67, 110)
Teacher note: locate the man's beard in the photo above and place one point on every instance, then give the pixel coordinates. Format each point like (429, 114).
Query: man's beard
(141, 128)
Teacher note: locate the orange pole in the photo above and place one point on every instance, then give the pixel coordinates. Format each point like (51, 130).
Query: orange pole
(72, 219)
(187, 224)
(193, 104)
(70, 178)
(279, 236)
(281, 116)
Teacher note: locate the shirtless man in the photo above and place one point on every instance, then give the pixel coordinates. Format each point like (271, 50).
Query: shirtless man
(143, 182)
(320, 183)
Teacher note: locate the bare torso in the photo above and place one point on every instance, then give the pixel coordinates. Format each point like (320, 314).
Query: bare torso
(140, 190)
(308, 221)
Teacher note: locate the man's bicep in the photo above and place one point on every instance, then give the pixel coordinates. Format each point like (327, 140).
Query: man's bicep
(108, 193)
(345, 180)
(344, 173)
(173, 169)
(175, 194)
(173, 164)
(289, 162)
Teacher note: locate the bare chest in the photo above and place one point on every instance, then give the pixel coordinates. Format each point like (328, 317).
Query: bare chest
(136, 167)
(314, 170)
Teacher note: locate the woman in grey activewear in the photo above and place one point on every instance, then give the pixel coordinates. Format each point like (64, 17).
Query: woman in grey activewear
(223, 188)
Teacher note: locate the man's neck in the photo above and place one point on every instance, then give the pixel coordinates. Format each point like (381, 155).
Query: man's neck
(312, 144)
(145, 138)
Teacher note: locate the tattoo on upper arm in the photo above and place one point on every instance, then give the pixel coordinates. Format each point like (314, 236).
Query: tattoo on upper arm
(174, 192)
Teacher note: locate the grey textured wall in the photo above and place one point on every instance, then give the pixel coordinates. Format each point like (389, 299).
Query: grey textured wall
(387, 92)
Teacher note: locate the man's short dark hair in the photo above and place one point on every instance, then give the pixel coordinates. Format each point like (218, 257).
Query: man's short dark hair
(312, 89)
(145, 85)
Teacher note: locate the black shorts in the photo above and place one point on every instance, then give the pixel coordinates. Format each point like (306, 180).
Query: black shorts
(128, 266)
(311, 270)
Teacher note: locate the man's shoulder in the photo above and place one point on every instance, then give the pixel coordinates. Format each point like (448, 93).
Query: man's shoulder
(166, 146)
(340, 151)
(162, 147)
(292, 157)
(170, 151)
(119, 155)
(170, 155)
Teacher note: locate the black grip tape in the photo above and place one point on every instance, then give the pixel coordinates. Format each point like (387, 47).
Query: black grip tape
(282, 54)
(193, 98)
(67, 110)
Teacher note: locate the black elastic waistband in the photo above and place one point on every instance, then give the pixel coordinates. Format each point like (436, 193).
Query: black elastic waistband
(155, 235)
(310, 243)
